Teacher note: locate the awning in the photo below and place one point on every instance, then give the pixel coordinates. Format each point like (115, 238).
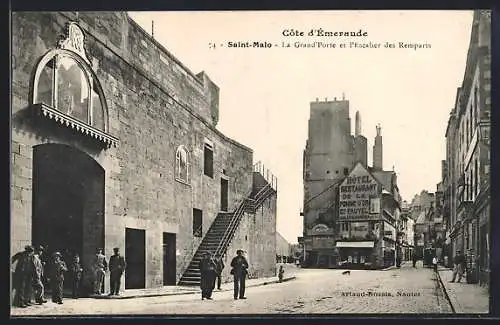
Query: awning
(356, 244)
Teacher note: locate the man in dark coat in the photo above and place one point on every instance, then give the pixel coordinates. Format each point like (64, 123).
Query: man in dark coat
(22, 278)
(208, 275)
(57, 277)
(458, 266)
(219, 266)
(117, 266)
(239, 272)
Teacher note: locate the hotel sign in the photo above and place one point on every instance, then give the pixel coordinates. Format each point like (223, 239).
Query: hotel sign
(355, 195)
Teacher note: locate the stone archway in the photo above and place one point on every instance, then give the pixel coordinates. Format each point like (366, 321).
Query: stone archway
(68, 203)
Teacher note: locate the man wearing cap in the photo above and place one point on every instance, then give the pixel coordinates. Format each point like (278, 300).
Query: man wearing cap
(57, 277)
(100, 267)
(239, 272)
(22, 277)
(37, 275)
(117, 266)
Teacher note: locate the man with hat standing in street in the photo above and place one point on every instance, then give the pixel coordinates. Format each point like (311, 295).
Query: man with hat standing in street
(57, 277)
(100, 267)
(22, 277)
(37, 275)
(239, 272)
(117, 266)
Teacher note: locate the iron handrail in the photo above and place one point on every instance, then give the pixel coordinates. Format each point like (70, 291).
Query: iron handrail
(236, 216)
(231, 229)
(265, 172)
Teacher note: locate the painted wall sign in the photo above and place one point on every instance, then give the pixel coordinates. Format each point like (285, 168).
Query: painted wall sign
(355, 195)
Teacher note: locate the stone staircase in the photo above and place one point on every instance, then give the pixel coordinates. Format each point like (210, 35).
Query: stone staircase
(222, 230)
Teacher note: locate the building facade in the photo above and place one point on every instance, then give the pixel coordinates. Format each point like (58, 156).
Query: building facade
(368, 219)
(406, 233)
(467, 180)
(422, 211)
(330, 154)
(114, 144)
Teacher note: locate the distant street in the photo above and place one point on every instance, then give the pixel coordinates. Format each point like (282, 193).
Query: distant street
(314, 291)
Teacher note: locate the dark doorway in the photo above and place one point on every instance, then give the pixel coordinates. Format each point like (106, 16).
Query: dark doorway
(223, 194)
(135, 254)
(68, 204)
(197, 223)
(169, 256)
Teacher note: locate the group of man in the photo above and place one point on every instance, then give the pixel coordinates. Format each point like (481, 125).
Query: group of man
(211, 270)
(29, 275)
(117, 266)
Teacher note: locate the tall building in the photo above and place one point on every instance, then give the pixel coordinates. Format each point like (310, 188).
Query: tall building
(114, 144)
(332, 157)
(328, 157)
(467, 181)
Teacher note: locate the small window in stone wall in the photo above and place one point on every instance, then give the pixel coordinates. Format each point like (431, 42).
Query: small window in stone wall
(208, 160)
(182, 165)
(197, 222)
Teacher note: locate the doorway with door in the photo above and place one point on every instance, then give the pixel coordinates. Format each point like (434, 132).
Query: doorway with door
(169, 259)
(135, 254)
(224, 193)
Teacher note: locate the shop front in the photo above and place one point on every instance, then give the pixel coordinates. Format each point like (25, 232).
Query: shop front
(357, 254)
(320, 248)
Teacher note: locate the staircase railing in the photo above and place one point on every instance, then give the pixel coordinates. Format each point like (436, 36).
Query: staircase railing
(269, 177)
(235, 221)
(262, 195)
(232, 224)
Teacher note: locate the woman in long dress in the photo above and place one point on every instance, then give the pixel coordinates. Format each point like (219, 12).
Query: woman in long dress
(208, 276)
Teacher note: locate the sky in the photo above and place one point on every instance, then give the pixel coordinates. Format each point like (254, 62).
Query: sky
(265, 93)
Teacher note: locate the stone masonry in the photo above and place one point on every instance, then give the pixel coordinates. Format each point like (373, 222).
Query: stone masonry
(154, 105)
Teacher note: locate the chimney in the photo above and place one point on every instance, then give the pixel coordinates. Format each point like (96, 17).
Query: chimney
(326, 99)
(357, 129)
(377, 150)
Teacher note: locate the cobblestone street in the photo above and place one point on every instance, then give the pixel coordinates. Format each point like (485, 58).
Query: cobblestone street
(404, 290)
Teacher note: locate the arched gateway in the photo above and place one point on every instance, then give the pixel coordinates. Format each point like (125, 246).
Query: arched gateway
(68, 202)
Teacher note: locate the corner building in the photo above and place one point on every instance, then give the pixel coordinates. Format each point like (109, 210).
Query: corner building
(331, 152)
(368, 219)
(114, 144)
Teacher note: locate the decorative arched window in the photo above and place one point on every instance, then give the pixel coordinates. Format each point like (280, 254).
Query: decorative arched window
(66, 89)
(182, 164)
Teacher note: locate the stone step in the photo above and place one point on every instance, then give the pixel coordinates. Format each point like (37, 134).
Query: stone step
(191, 279)
(192, 272)
(190, 282)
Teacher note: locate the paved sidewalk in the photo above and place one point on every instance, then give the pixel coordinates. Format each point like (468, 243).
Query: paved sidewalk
(142, 293)
(465, 298)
